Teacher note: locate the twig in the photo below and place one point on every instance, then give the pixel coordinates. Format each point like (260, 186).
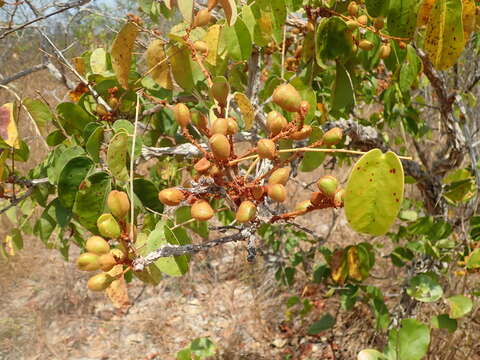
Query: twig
(23, 73)
(174, 250)
(132, 166)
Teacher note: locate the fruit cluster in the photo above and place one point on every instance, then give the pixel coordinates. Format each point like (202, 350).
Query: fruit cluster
(220, 165)
(99, 254)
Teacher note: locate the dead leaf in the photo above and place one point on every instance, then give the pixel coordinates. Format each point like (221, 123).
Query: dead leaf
(117, 292)
(158, 65)
(246, 108)
(8, 128)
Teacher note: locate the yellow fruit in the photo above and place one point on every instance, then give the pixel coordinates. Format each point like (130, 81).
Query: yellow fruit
(328, 185)
(332, 137)
(303, 206)
(365, 45)
(171, 196)
(219, 90)
(108, 226)
(97, 245)
(352, 8)
(279, 176)
(362, 20)
(100, 282)
(107, 262)
(202, 18)
(232, 126)
(88, 262)
(287, 97)
(201, 210)
(181, 113)
(220, 146)
(202, 165)
(277, 192)
(276, 122)
(304, 133)
(118, 203)
(266, 149)
(220, 126)
(338, 199)
(385, 51)
(246, 211)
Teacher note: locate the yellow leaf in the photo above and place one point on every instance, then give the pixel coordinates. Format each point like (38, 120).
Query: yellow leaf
(8, 245)
(444, 41)
(468, 17)
(230, 9)
(158, 65)
(424, 12)
(118, 294)
(186, 9)
(8, 128)
(122, 52)
(211, 39)
(353, 264)
(246, 108)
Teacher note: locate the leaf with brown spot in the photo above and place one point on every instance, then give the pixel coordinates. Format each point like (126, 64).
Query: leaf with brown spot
(121, 53)
(424, 12)
(158, 65)
(444, 38)
(354, 264)
(246, 108)
(79, 64)
(8, 128)
(468, 18)
(338, 266)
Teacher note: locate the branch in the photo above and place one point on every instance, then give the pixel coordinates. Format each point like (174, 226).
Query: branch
(28, 183)
(43, 17)
(178, 250)
(23, 73)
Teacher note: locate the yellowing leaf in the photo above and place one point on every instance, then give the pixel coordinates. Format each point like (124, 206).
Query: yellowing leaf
(424, 12)
(186, 9)
(230, 9)
(181, 67)
(118, 294)
(246, 108)
(158, 66)
(468, 18)
(8, 245)
(3, 159)
(354, 264)
(122, 52)
(445, 40)
(338, 266)
(98, 61)
(8, 128)
(211, 39)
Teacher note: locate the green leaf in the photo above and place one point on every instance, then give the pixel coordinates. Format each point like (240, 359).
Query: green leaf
(90, 200)
(376, 8)
(312, 160)
(326, 322)
(443, 321)
(374, 192)
(333, 40)
(147, 192)
(460, 305)
(94, 143)
(55, 138)
(425, 288)
(64, 156)
(40, 112)
(73, 173)
(126, 125)
(444, 37)
(45, 224)
(203, 347)
(184, 354)
(117, 156)
(413, 340)
(162, 235)
(73, 118)
(400, 256)
(182, 67)
(402, 17)
(237, 40)
(473, 261)
(343, 93)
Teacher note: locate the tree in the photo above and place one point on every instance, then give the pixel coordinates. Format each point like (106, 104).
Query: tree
(298, 82)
